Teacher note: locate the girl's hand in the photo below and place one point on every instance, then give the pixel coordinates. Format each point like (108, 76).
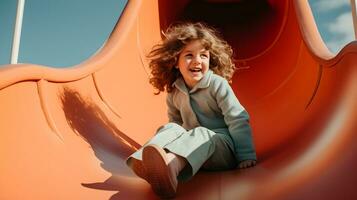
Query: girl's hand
(247, 163)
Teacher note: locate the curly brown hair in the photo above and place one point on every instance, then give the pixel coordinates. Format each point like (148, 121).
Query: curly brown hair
(164, 56)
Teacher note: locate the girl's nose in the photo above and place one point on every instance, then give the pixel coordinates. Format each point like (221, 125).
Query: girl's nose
(197, 60)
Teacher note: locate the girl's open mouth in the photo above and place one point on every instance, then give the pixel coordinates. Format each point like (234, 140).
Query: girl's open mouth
(195, 70)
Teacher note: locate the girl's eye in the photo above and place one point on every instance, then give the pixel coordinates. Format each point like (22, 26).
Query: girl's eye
(188, 55)
(204, 56)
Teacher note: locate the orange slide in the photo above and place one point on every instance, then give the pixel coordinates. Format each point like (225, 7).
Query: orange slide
(65, 133)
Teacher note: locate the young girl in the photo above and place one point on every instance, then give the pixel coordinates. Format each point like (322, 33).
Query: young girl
(208, 128)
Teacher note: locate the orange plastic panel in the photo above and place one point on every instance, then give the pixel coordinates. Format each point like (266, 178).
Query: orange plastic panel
(65, 133)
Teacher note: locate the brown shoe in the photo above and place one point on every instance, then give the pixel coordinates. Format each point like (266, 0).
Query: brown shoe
(159, 175)
(138, 168)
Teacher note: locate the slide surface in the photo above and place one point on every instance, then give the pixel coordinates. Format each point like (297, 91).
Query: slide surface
(65, 133)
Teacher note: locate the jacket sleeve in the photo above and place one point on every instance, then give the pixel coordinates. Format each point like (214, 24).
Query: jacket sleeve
(173, 113)
(237, 120)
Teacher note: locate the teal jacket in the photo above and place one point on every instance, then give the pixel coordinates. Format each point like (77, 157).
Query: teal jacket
(213, 104)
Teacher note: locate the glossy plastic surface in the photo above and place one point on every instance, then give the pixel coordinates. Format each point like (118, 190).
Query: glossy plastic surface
(65, 133)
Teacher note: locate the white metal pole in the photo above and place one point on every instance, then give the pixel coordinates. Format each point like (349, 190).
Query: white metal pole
(17, 32)
(354, 16)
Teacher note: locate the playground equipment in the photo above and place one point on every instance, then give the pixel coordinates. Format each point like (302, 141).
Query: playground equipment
(65, 133)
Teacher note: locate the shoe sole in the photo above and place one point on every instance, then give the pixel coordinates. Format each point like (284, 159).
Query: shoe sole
(138, 168)
(158, 174)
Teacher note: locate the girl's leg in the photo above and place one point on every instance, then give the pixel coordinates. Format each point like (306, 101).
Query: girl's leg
(197, 147)
(162, 170)
(164, 135)
(176, 163)
(190, 149)
(223, 157)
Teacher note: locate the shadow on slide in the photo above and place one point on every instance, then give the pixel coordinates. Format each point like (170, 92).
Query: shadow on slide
(65, 133)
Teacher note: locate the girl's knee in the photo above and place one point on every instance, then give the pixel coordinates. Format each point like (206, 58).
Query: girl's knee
(203, 130)
(170, 125)
(173, 125)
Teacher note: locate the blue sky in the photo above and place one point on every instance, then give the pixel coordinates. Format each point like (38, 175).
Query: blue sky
(334, 20)
(62, 33)
(58, 33)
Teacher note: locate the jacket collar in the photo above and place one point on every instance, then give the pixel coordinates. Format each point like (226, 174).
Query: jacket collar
(203, 83)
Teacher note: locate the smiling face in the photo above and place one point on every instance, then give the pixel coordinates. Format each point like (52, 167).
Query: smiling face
(193, 62)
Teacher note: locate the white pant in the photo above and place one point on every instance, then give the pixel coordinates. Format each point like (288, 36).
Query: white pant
(200, 146)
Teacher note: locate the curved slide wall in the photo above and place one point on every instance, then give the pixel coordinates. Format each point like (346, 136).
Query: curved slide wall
(66, 132)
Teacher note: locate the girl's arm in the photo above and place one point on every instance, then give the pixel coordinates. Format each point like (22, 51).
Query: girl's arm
(172, 112)
(237, 120)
